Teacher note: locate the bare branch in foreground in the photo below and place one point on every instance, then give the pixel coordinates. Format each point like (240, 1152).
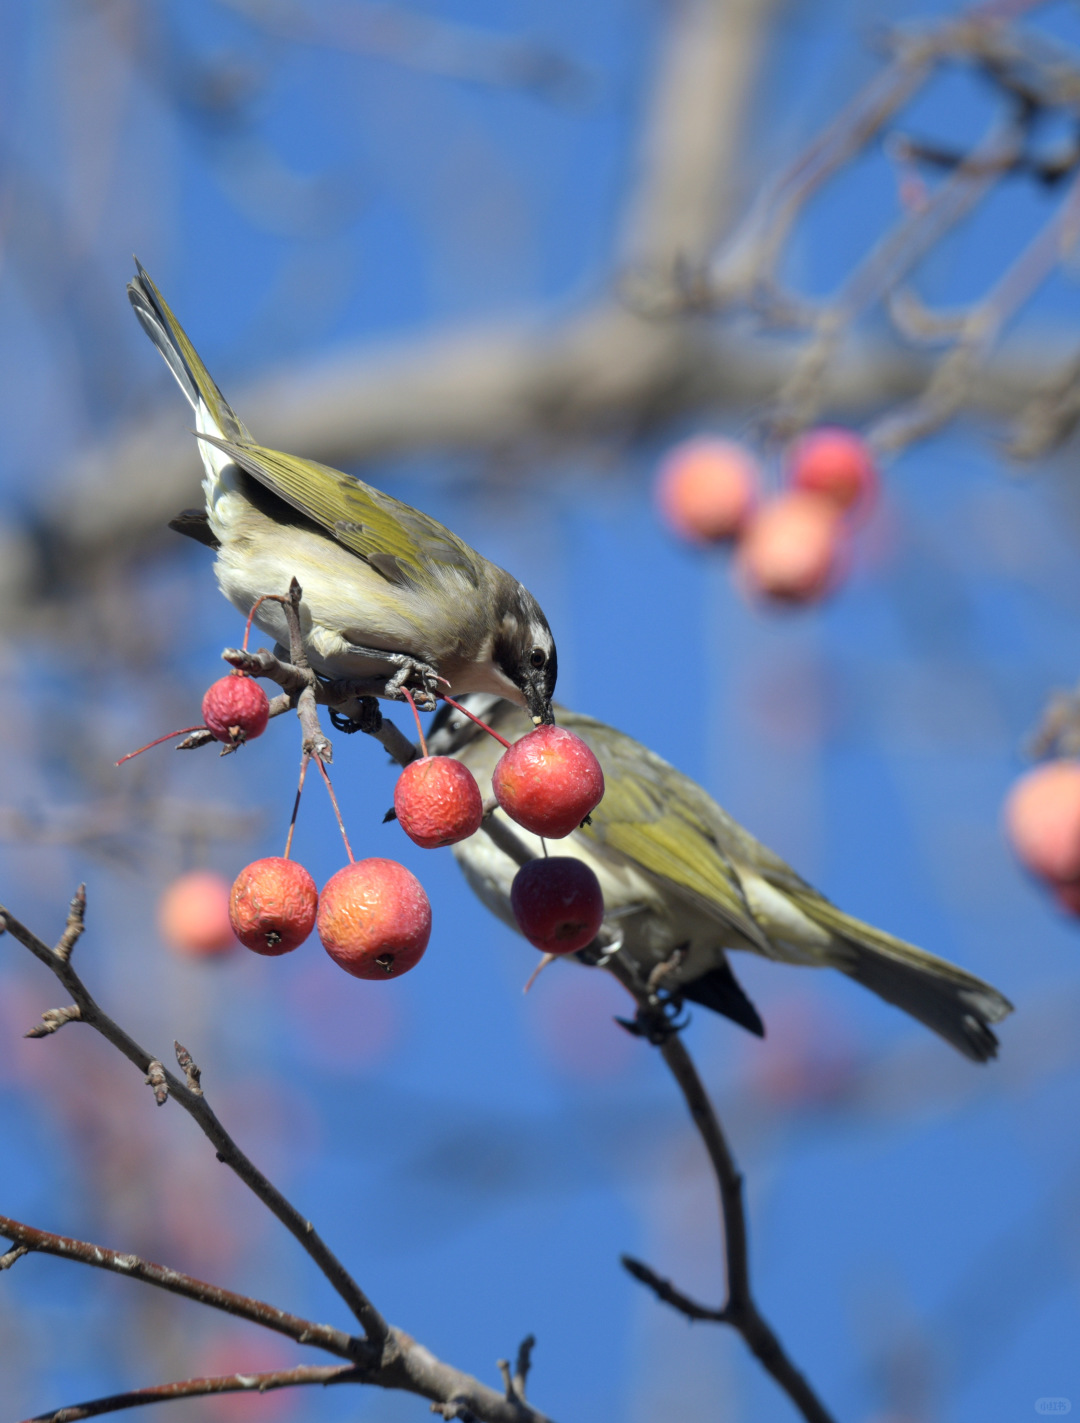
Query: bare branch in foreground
(201, 1388)
(303, 1331)
(386, 1356)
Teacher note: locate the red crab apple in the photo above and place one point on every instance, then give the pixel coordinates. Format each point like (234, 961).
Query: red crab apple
(835, 463)
(791, 546)
(548, 781)
(557, 903)
(706, 488)
(273, 905)
(437, 802)
(1042, 821)
(374, 919)
(193, 915)
(235, 709)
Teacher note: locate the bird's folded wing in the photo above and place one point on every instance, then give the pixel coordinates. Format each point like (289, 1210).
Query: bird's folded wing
(400, 542)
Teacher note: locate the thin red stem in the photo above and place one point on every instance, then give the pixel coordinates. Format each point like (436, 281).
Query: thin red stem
(184, 731)
(419, 729)
(466, 712)
(273, 598)
(337, 811)
(296, 804)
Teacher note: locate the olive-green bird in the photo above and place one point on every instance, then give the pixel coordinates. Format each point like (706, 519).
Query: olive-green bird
(388, 593)
(683, 882)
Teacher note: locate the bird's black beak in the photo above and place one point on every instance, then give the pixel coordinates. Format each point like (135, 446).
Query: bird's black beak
(539, 704)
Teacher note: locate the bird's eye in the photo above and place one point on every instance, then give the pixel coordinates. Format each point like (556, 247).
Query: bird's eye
(538, 657)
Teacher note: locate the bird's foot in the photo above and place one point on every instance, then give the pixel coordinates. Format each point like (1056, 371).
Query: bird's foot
(369, 718)
(657, 1020)
(421, 679)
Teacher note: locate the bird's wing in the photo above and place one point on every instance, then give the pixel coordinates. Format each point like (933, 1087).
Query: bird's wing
(180, 355)
(650, 814)
(407, 547)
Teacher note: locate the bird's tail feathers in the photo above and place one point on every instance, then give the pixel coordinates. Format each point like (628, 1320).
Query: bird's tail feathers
(180, 355)
(955, 1004)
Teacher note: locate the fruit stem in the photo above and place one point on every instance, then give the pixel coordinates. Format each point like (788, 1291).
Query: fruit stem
(466, 712)
(274, 598)
(184, 731)
(419, 729)
(337, 810)
(296, 804)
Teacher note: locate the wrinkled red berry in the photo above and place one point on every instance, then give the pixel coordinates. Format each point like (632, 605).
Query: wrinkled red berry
(1042, 820)
(548, 781)
(235, 709)
(437, 802)
(706, 488)
(272, 905)
(836, 463)
(374, 919)
(557, 903)
(193, 915)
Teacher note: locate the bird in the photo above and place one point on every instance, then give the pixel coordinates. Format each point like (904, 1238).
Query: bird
(684, 883)
(389, 593)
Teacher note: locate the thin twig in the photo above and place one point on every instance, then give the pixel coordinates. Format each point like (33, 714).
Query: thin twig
(303, 1331)
(201, 1388)
(228, 1152)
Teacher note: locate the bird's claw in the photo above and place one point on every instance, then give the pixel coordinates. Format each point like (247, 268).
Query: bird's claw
(421, 679)
(657, 1020)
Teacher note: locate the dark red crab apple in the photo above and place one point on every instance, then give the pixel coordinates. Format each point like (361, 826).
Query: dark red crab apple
(835, 463)
(548, 781)
(437, 802)
(374, 919)
(272, 906)
(557, 903)
(235, 709)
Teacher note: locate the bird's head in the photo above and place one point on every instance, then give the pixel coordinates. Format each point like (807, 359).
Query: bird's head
(524, 651)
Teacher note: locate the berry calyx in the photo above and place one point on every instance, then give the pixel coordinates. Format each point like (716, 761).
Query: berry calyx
(193, 915)
(235, 709)
(791, 547)
(548, 781)
(374, 919)
(1042, 820)
(437, 802)
(706, 488)
(273, 905)
(835, 463)
(557, 903)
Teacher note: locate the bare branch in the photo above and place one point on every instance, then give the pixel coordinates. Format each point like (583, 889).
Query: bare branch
(303, 1331)
(54, 1019)
(202, 1388)
(228, 1152)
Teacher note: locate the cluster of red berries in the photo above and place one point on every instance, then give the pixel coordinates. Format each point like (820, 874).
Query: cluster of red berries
(791, 545)
(1042, 821)
(373, 916)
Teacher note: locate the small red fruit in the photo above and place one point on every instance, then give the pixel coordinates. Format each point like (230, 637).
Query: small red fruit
(706, 488)
(235, 709)
(790, 548)
(548, 781)
(193, 915)
(374, 919)
(1042, 820)
(273, 905)
(437, 802)
(836, 463)
(558, 904)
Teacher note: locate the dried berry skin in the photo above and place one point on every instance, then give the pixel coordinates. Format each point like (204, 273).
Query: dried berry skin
(706, 488)
(437, 802)
(558, 904)
(235, 709)
(836, 463)
(374, 919)
(193, 915)
(273, 906)
(548, 781)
